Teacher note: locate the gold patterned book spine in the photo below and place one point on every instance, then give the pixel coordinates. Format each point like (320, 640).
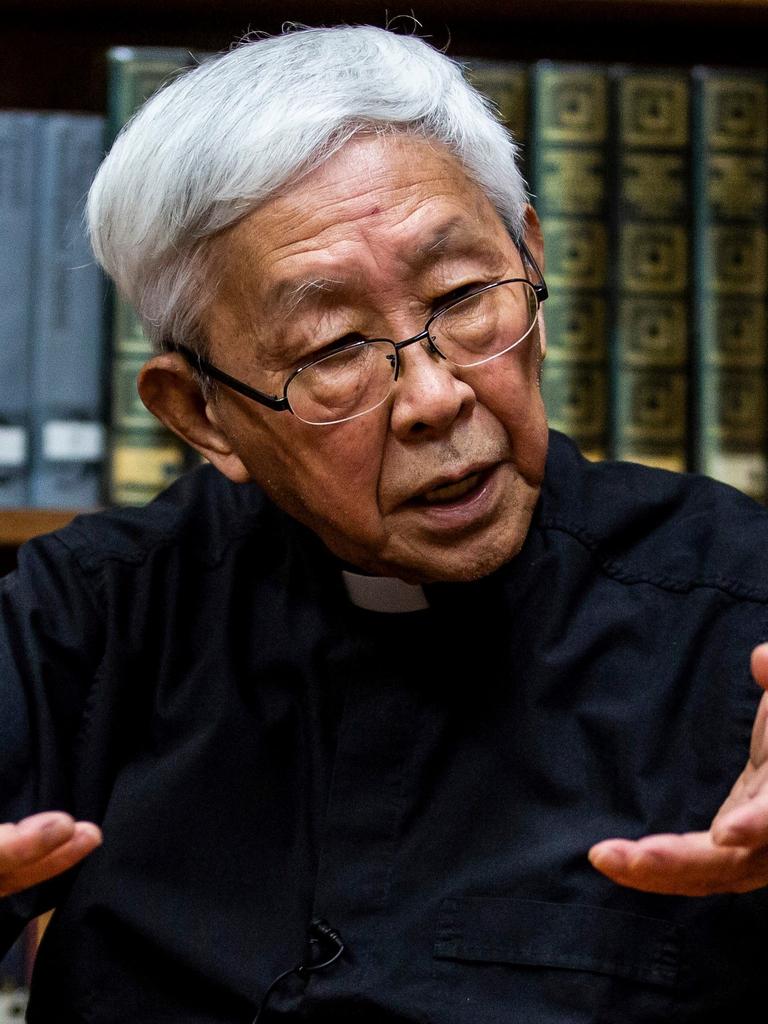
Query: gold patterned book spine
(144, 457)
(651, 236)
(569, 136)
(731, 276)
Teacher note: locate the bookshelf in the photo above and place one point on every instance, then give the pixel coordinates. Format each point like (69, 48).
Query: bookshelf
(53, 57)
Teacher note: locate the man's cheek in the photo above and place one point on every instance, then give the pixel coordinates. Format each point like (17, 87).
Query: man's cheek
(351, 459)
(351, 485)
(517, 405)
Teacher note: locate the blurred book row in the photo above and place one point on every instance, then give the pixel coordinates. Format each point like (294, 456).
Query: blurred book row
(73, 431)
(651, 188)
(52, 434)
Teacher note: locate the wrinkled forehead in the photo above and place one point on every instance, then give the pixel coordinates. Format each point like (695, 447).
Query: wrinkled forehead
(393, 204)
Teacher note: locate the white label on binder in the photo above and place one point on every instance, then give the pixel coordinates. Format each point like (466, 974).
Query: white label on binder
(71, 441)
(744, 470)
(13, 446)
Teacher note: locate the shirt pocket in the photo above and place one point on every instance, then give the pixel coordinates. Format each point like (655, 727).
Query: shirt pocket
(509, 960)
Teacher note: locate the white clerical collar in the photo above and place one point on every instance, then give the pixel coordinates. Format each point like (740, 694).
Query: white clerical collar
(384, 593)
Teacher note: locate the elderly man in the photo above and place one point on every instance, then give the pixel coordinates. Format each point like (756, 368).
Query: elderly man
(352, 707)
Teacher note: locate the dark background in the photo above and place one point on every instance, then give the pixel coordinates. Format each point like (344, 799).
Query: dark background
(52, 51)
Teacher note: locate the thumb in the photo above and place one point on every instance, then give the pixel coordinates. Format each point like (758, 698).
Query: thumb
(759, 665)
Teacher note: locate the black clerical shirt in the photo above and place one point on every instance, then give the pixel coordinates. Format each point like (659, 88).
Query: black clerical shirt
(259, 753)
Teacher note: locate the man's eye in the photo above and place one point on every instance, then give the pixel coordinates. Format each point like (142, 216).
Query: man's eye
(330, 347)
(457, 293)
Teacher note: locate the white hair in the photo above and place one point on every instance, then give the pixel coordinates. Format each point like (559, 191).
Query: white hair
(223, 138)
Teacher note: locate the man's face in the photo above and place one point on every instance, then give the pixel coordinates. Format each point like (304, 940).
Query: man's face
(440, 482)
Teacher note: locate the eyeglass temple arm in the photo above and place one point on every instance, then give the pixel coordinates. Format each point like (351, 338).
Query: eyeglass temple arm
(198, 363)
(540, 287)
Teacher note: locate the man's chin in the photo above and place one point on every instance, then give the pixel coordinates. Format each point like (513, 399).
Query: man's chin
(461, 563)
(416, 557)
(460, 569)
(473, 556)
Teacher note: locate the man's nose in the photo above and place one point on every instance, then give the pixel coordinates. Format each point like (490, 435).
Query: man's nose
(428, 395)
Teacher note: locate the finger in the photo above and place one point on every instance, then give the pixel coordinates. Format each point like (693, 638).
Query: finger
(759, 665)
(744, 825)
(758, 746)
(85, 838)
(33, 837)
(691, 864)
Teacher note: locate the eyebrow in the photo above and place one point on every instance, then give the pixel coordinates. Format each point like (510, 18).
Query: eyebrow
(292, 293)
(452, 235)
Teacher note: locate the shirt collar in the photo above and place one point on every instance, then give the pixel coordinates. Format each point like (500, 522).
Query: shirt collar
(384, 593)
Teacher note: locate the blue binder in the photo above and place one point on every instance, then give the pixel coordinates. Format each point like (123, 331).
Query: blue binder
(19, 142)
(68, 324)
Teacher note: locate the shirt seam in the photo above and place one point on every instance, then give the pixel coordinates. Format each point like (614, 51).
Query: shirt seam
(614, 569)
(94, 566)
(90, 586)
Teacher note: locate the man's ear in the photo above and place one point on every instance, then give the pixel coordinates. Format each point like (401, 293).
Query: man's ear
(534, 239)
(169, 390)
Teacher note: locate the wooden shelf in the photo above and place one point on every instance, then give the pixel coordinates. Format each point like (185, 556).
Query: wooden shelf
(18, 525)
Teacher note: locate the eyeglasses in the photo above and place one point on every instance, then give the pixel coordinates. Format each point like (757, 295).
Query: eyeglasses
(359, 376)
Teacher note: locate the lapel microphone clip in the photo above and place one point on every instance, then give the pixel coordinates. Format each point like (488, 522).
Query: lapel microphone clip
(320, 933)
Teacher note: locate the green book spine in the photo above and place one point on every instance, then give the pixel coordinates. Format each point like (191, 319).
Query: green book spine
(731, 276)
(144, 457)
(505, 84)
(651, 278)
(568, 159)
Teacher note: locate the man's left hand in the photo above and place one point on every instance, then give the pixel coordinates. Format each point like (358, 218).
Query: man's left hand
(731, 857)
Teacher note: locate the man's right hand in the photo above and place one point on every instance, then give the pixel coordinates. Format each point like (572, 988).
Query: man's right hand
(39, 847)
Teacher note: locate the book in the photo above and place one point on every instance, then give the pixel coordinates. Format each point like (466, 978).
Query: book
(67, 354)
(144, 456)
(730, 181)
(651, 240)
(19, 158)
(568, 154)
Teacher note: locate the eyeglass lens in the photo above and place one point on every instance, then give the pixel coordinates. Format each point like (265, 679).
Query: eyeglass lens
(471, 331)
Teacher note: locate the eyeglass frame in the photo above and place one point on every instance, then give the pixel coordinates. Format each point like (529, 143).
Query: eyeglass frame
(206, 368)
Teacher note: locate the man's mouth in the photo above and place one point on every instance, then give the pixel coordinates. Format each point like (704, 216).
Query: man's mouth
(447, 493)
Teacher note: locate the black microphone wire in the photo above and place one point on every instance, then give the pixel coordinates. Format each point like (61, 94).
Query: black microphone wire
(320, 928)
